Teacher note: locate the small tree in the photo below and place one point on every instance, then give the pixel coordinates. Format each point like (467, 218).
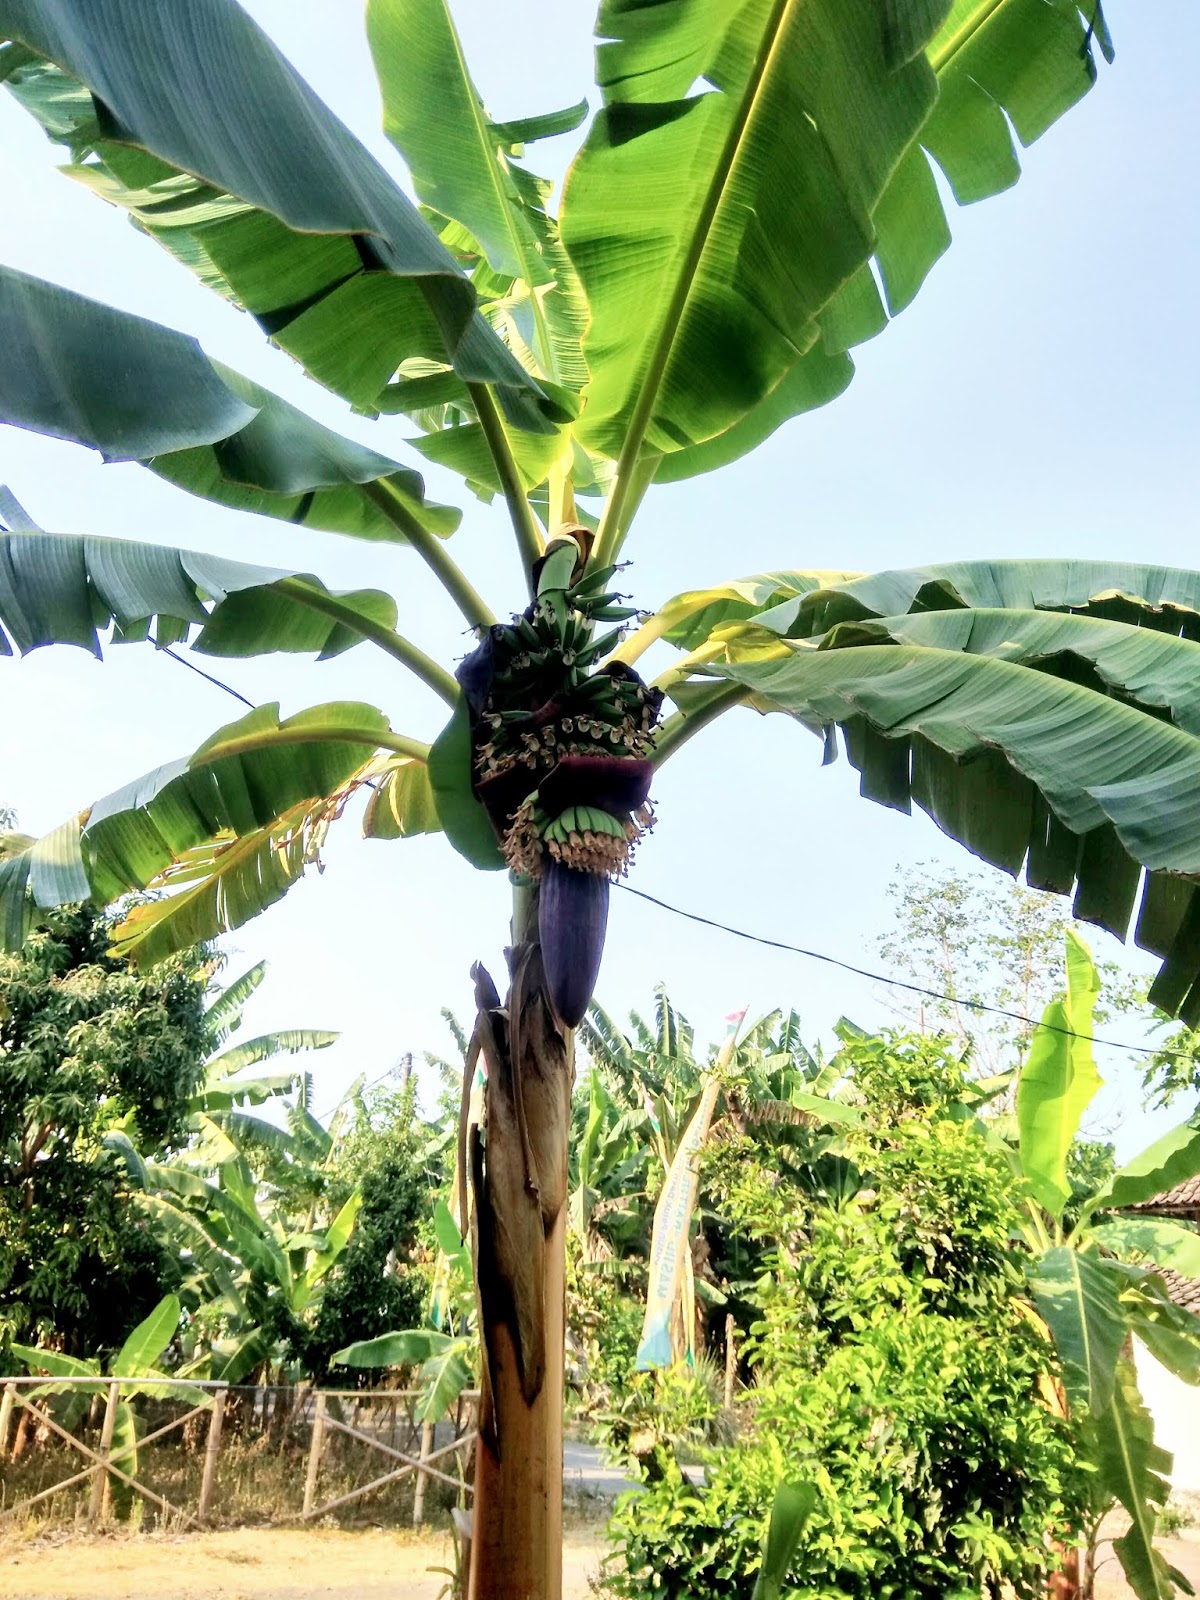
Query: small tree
(379, 1284)
(88, 1048)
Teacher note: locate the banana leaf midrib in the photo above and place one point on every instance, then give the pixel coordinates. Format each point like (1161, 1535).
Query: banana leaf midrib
(693, 256)
(521, 245)
(941, 58)
(415, 749)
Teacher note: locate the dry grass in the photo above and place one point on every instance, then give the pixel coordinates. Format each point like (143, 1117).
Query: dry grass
(260, 1480)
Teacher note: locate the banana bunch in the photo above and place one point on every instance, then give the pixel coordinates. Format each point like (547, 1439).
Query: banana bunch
(541, 694)
(588, 839)
(570, 825)
(554, 638)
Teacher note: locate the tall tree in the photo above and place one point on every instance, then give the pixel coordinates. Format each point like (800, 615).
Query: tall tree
(715, 259)
(980, 942)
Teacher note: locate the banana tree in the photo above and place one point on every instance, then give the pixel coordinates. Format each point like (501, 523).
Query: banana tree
(293, 1162)
(1095, 1280)
(715, 258)
(135, 1363)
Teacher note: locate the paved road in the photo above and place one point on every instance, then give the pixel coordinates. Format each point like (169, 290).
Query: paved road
(586, 1472)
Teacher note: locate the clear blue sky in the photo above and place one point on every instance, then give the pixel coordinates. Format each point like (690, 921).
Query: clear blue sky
(1039, 398)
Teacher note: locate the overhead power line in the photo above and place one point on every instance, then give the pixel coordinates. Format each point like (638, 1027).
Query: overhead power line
(901, 983)
(200, 672)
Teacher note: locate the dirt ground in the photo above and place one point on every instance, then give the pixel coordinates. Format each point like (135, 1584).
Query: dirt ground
(1182, 1553)
(251, 1564)
(317, 1564)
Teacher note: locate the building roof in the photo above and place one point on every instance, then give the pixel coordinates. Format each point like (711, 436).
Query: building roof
(1181, 1201)
(1184, 1291)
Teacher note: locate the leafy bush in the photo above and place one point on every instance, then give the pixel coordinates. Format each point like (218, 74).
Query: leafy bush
(897, 1373)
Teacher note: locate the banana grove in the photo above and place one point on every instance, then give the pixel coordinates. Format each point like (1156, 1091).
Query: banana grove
(754, 196)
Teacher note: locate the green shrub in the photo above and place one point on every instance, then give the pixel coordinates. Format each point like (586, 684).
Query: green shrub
(897, 1371)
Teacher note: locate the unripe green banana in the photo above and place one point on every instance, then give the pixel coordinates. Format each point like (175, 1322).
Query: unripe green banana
(612, 613)
(601, 647)
(593, 582)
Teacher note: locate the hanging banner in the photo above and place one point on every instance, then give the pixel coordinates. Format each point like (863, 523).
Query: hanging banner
(670, 1247)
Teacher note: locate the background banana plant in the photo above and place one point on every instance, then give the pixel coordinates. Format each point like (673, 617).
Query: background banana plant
(1094, 1275)
(716, 257)
(135, 1363)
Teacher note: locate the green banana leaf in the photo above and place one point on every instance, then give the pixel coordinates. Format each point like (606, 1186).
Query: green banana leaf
(749, 211)
(776, 168)
(804, 605)
(1027, 769)
(457, 155)
(212, 1264)
(337, 1237)
(1169, 1161)
(224, 1014)
(443, 1360)
(1134, 1470)
(287, 1041)
(1169, 1331)
(461, 815)
(404, 1348)
(55, 1363)
(444, 1376)
(791, 1509)
(227, 830)
(1058, 1081)
(266, 192)
(13, 515)
(1079, 1298)
(118, 1140)
(235, 1360)
(137, 391)
(68, 588)
(1156, 1239)
(144, 1346)
(402, 803)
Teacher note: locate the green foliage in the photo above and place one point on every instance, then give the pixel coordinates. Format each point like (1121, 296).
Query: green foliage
(1173, 1069)
(138, 1358)
(86, 1047)
(1092, 1276)
(382, 1280)
(644, 1420)
(896, 1371)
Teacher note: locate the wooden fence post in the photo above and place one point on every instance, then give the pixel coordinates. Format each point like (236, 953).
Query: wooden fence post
(314, 1453)
(6, 1411)
(419, 1491)
(211, 1450)
(100, 1478)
